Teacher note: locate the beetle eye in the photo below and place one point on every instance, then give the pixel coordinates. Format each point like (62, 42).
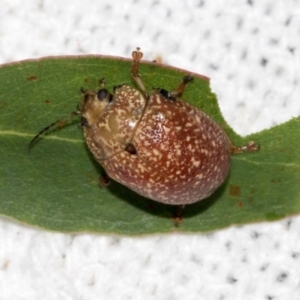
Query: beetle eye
(83, 122)
(102, 94)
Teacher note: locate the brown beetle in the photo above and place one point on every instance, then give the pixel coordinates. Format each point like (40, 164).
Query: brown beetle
(155, 143)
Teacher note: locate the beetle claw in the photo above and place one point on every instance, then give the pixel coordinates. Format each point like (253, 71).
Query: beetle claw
(178, 215)
(104, 180)
(249, 147)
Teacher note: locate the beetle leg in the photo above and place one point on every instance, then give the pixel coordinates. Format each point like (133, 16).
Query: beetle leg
(180, 89)
(172, 95)
(137, 56)
(249, 147)
(82, 90)
(177, 216)
(104, 180)
(83, 122)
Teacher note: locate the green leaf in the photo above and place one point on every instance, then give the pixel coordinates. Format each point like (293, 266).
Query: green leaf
(55, 186)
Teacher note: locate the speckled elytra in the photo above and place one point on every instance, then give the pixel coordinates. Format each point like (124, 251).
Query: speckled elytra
(155, 143)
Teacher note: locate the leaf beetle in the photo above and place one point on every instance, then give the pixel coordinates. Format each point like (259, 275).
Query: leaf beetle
(154, 142)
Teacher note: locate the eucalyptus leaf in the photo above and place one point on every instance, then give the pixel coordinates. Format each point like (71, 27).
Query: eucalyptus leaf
(56, 184)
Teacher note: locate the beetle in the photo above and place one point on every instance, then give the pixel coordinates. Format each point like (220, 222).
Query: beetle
(154, 142)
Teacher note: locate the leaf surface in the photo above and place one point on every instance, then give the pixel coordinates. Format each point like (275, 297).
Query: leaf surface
(55, 186)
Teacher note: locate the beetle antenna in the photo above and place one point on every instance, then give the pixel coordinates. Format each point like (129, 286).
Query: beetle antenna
(72, 114)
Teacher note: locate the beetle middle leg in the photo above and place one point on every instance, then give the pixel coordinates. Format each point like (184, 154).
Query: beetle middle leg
(137, 56)
(172, 95)
(104, 180)
(180, 89)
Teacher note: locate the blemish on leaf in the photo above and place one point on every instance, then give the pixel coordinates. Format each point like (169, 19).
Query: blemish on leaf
(32, 78)
(275, 180)
(250, 200)
(61, 123)
(47, 101)
(234, 190)
(240, 203)
(3, 105)
(91, 177)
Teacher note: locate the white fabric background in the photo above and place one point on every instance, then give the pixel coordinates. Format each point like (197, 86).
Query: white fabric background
(250, 50)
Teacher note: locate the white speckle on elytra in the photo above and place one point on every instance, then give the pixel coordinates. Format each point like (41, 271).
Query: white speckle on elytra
(156, 152)
(151, 180)
(216, 168)
(167, 130)
(204, 151)
(158, 100)
(160, 116)
(199, 176)
(148, 128)
(195, 163)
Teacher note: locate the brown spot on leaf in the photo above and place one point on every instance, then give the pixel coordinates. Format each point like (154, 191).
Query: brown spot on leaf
(275, 180)
(3, 105)
(47, 101)
(61, 123)
(234, 190)
(240, 203)
(31, 78)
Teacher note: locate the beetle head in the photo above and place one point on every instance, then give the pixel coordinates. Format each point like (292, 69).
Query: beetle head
(92, 106)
